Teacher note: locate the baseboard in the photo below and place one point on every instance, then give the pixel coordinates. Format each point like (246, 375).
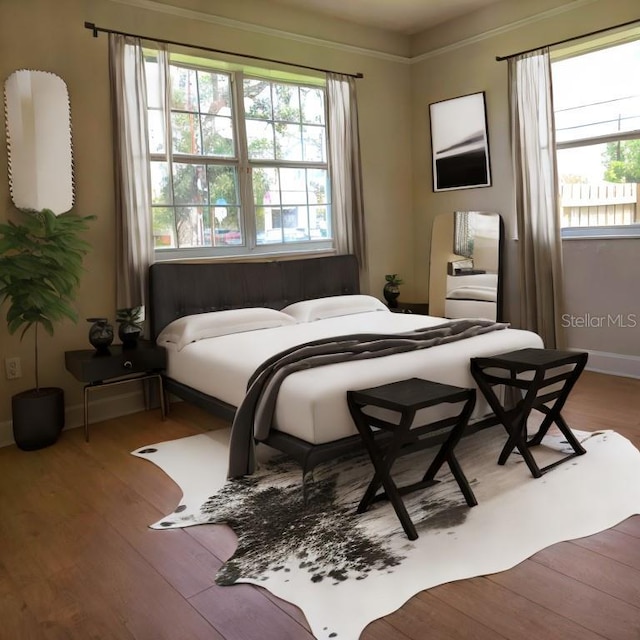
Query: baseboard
(100, 409)
(614, 364)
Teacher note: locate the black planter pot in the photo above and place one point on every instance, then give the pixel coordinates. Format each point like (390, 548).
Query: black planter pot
(38, 417)
(129, 334)
(391, 293)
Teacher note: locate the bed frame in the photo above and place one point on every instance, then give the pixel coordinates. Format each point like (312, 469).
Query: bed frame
(180, 289)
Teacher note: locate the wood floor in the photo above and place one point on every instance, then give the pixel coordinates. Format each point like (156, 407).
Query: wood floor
(77, 560)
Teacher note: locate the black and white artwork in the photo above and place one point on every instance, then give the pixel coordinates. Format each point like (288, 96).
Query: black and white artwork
(459, 143)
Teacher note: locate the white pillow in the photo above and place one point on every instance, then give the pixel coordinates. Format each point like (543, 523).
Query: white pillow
(189, 329)
(332, 306)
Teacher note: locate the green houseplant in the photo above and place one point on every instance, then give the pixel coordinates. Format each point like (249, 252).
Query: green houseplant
(40, 268)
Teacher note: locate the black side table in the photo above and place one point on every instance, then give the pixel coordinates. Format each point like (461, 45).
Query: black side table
(116, 365)
(421, 308)
(406, 397)
(532, 371)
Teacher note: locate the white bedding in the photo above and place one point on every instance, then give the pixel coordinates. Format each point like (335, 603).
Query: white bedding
(470, 309)
(312, 403)
(472, 296)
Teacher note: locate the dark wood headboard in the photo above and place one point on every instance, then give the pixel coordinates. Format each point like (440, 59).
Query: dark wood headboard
(181, 289)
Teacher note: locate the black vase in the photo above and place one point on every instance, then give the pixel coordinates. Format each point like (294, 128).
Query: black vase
(391, 293)
(38, 417)
(100, 333)
(129, 334)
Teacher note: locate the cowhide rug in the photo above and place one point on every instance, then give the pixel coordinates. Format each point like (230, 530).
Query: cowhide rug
(345, 570)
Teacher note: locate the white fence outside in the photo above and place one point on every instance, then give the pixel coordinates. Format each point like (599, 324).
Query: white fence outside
(596, 205)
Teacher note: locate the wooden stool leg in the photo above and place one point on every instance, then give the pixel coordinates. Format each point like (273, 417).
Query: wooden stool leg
(445, 454)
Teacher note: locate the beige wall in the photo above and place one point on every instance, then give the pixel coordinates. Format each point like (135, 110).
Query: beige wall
(441, 71)
(50, 36)
(393, 101)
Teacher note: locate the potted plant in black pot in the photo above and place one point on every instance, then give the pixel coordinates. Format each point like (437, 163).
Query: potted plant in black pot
(40, 267)
(391, 289)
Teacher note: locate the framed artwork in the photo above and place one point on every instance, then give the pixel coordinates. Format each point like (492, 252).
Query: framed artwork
(459, 143)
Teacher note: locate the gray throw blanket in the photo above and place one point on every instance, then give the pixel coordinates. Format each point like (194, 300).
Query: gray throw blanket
(254, 416)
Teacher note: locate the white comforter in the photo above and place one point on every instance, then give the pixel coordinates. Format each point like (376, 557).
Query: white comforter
(312, 403)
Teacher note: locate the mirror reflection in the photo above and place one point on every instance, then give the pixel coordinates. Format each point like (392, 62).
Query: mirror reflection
(38, 124)
(465, 261)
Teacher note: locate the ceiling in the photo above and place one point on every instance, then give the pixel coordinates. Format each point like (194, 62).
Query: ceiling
(402, 16)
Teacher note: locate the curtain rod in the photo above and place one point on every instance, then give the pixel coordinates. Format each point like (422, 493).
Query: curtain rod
(90, 25)
(559, 42)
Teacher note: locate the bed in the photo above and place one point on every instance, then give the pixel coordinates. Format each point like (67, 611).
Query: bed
(311, 418)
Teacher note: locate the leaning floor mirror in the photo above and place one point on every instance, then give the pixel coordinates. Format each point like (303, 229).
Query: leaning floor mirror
(465, 265)
(38, 123)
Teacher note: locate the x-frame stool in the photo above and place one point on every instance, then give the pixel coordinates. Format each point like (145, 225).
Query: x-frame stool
(406, 397)
(543, 368)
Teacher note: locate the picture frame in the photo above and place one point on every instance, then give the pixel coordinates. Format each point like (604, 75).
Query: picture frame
(460, 143)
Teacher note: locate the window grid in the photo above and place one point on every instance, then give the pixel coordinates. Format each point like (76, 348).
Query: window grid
(598, 139)
(193, 216)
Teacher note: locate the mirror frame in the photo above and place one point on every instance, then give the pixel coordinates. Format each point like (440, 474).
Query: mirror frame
(39, 145)
(442, 257)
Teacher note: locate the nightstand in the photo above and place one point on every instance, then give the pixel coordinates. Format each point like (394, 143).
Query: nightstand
(421, 308)
(115, 365)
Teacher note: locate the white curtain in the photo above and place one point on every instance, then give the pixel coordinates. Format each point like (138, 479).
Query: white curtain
(537, 208)
(134, 234)
(346, 170)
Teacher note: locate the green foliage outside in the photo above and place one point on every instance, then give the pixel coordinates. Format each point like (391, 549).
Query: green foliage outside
(622, 161)
(202, 186)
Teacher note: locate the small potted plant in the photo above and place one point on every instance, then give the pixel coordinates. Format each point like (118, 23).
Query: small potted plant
(391, 289)
(40, 268)
(129, 325)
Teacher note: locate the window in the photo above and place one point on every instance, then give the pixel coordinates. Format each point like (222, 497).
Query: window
(597, 114)
(241, 166)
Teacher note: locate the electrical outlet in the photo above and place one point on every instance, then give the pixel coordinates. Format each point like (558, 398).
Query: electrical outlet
(13, 368)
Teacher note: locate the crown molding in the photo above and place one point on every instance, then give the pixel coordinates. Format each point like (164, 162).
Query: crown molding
(152, 5)
(512, 26)
(201, 16)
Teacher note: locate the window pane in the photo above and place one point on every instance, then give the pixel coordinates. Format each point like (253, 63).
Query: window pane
(223, 185)
(227, 226)
(214, 92)
(598, 184)
(190, 184)
(597, 93)
(152, 79)
(286, 103)
(156, 131)
(196, 191)
(288, 142)
(319, 223)
(190, 222)
(163, 228)
(257, 99)
(318, 185)
(184, 89)
(312, 105)
(260, 140)
(160, 185)
(185, 131)
(313, 143)
(217, 134)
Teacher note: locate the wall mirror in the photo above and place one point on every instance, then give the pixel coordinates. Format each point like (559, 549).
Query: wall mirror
(465, 265)
(38, 124)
